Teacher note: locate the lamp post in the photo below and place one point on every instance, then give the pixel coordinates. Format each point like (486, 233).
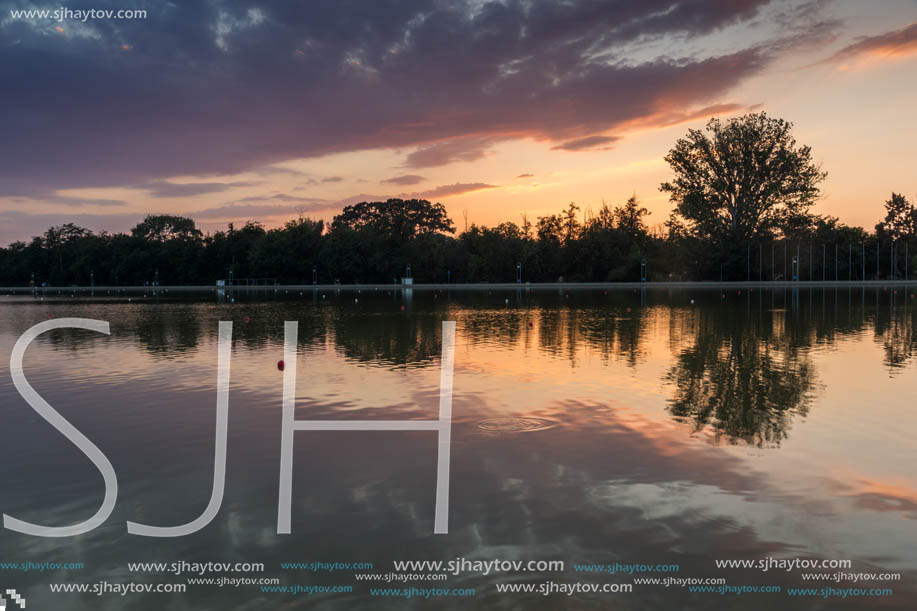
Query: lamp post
(518, 273)
(643, 270)
(314, 275)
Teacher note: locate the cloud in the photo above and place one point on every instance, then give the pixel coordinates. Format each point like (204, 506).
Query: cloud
(456, 189)
(247, 211)
(405, 179)
(332, 179)
(274, 170)
(443, 153)
(897, 43)
(19, 191)
(18, 225)
(164, 188)
(282, 197)
(526, 176)
(79, 202)
(447, 80)
(589, 143)
(359, 197)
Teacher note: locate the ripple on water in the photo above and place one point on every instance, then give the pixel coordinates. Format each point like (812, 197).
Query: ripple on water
(514, 425)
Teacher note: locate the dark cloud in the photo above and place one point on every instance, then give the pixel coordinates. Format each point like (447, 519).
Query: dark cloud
(217, 88)
(456, 189)
(525, 175)
(77, 202)
(332, 179)
(588, 143)
(889, 44)
(406, 179)
(18, 191)
(164, 188)
(442, 153)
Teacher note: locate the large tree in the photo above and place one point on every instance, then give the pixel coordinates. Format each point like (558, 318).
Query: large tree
(740, 179)
(900, 218)
(400, 219)
(164, 227)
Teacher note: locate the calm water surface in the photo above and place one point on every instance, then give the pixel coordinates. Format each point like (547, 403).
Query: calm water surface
(589, 427)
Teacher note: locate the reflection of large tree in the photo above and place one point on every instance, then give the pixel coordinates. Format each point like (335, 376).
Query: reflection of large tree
(746, 377)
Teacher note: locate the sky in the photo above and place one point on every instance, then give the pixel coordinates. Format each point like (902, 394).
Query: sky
(235, 111)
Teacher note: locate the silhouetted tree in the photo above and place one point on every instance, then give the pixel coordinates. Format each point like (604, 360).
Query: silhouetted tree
(396, 218)
(741, 179)
(163, 227)
(900, 219)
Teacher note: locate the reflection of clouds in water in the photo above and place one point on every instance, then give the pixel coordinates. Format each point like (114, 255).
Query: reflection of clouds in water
(613, 479)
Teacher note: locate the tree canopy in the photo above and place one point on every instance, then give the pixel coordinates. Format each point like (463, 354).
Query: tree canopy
(164, 227)
(740, 179)
(397, 218)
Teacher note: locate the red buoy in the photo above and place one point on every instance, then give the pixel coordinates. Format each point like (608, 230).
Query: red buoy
(402, 308)
(628, 309)
(531, 324)
(280, 365)
(246, 319)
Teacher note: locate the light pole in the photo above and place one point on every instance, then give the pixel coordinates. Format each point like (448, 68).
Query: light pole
(795, 274)
(784, 260)
(314, 275)
(643, 270)
(518, 273)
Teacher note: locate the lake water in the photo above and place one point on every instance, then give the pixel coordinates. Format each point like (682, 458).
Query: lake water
(675, 427)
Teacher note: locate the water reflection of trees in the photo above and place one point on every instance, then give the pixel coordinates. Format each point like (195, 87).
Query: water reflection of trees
(744, 376)
(742, 365)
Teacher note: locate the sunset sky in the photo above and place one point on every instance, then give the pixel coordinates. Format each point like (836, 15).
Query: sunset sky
(229, 111)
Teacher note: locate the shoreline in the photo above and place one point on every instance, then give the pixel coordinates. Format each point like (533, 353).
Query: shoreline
(479, 286)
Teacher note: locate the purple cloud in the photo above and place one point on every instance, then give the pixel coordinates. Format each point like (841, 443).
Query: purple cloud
(589, 143)
(456, 189)
(890, 44)
(443, 153)
(447, 80)
(406, 179)
(164, 188)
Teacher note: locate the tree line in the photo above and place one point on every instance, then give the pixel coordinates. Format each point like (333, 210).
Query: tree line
(742, 193)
